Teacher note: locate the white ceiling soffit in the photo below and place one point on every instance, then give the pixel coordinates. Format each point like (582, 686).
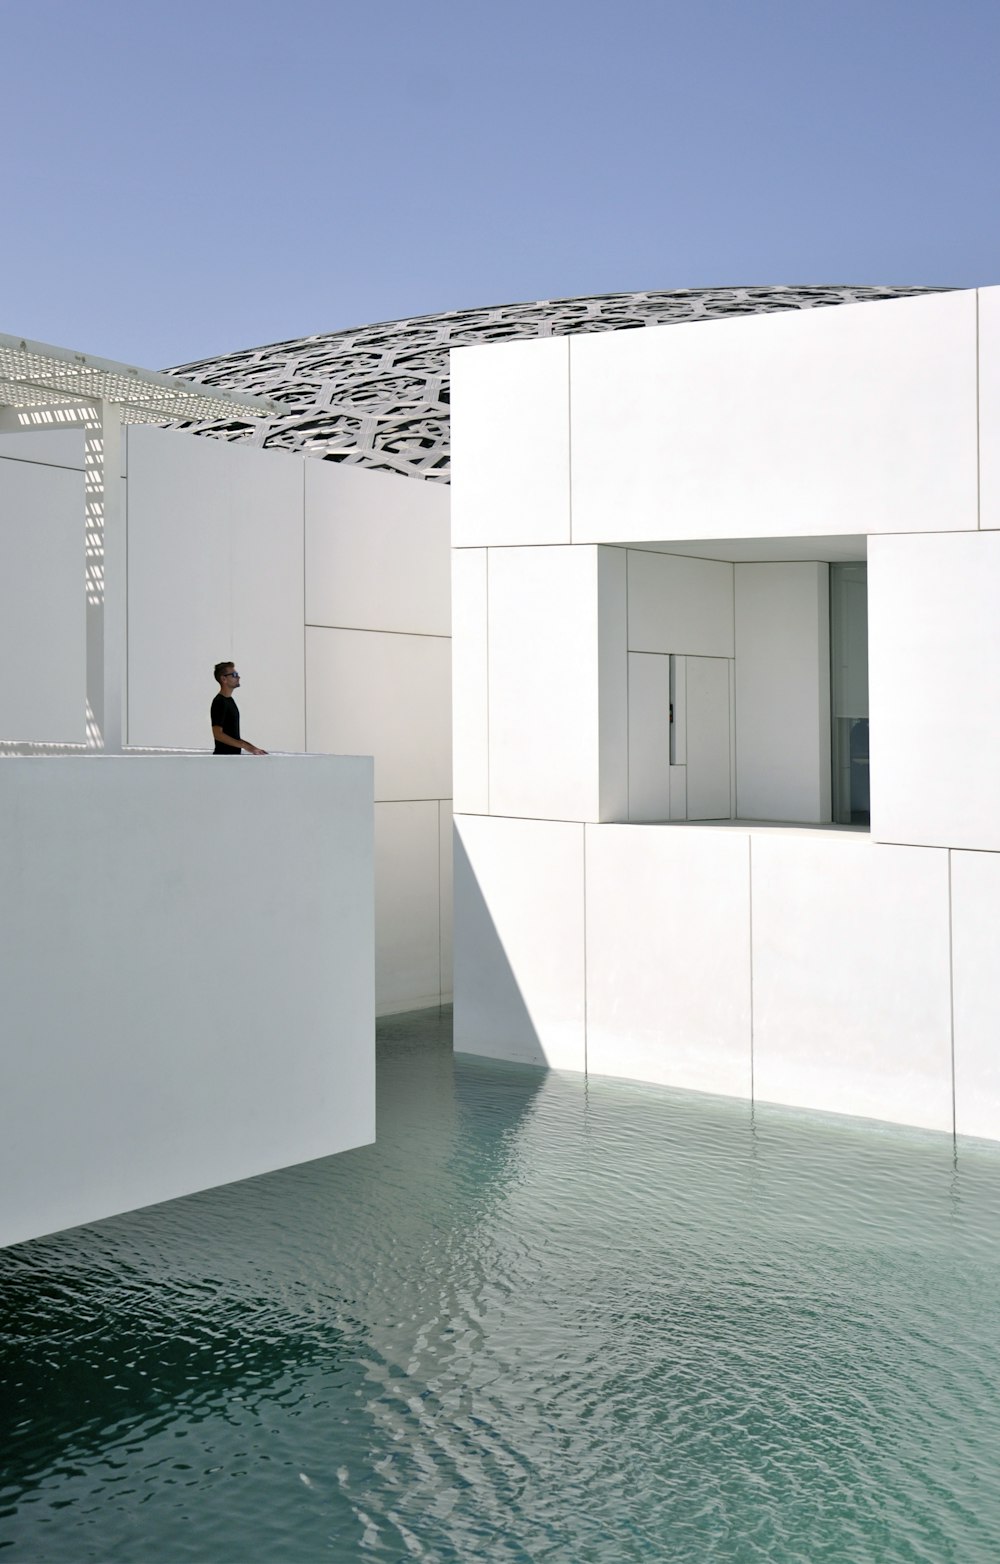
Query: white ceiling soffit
(35, 376)
(847, 548)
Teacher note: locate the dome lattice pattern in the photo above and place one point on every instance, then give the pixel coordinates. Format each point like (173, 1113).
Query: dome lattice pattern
(377, 396)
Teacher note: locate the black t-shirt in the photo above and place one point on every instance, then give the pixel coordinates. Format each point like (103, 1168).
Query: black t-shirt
(226, 715)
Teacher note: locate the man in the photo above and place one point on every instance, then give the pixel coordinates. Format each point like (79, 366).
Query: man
(226, 715)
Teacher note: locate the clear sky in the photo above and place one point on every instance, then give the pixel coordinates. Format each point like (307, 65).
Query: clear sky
(188, 177)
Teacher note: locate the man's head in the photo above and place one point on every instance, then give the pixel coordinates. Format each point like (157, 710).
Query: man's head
(228, 678)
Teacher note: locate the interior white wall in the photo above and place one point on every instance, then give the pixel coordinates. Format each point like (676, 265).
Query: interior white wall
(519, 940)
(975, 918)
(934, 673)
(387, 695)
(648, 736)
(851, 984)
(783, 692)
(668, 956)
(377, 551)
(188, 991)
(510, 443)
(680, 605)
(43, 637)
(215, 571)
(860, 418)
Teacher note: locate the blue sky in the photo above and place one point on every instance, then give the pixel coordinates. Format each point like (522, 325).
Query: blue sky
(183, 179)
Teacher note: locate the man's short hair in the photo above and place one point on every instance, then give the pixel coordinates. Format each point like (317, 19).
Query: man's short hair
(221, 669)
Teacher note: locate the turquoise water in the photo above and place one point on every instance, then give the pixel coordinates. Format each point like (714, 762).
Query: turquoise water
(540, 1320)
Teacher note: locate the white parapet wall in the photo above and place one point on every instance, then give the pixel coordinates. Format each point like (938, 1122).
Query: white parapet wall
(187, 976)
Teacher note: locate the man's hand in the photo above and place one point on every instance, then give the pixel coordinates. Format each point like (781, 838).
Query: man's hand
(253, 750)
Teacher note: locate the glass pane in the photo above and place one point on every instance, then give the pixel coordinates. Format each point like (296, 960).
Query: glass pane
(849, 693)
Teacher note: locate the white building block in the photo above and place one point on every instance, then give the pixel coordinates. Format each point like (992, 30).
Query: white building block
(783, 692)
(188, 977)
(668, 956)
(934, 673)
(519, 940)
(510, 443)
(51, 448)
(469, 682)
(679, 605)
(860, 418)
(43, 649)
(407, 906)
(851, 988)
(549, 698)
(215, 571)
(377, 551)
(975, 904)
(989, 407)
(387, 696)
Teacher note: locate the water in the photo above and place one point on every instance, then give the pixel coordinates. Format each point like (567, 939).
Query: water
(540, 1320)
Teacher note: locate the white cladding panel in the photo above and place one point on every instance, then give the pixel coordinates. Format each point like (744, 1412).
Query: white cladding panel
(469, 692)
(934, 674)
(612, 684)
(851, 989)
(707, 743)
(783, 692)
(377, 551)
(510, 443)
(680, 605)
(648, 736)
(387, 696)
(407, 906)
(519, 940)
(215, 571)
(197, 1025)
(668, 956)
(989, 407)
(43, 652)
(51, 448)
(975, 903)
(543, 683)
(859, 418)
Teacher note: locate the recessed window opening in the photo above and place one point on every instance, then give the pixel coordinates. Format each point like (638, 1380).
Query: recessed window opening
(849, 694)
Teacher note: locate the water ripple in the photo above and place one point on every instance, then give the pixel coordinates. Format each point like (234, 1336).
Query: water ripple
(541, 1320)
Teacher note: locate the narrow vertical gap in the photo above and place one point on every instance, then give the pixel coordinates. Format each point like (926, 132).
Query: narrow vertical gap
(628, 704)
(489, 757)
(951, 1000)
(440, 962)
(750, 899)
(569, 436)
(979, 464)
(585, 975)
(305, 633)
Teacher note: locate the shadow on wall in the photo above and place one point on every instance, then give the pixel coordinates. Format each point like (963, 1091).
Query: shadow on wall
(491, 1016)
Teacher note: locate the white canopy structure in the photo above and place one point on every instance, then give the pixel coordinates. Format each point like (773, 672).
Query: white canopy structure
(44, 388)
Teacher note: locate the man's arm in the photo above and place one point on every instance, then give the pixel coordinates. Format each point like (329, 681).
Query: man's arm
(223, 738)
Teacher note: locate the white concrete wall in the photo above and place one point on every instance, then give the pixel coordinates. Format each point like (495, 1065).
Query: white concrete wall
(378, 681)
(836, 969)
(43, 691)
(783, 692)
(934, 676)
(215, 571)
(188, 977)
(827, 421)
(292, 568)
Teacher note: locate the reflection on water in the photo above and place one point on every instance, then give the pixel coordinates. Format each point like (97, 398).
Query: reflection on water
(541, 1319)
